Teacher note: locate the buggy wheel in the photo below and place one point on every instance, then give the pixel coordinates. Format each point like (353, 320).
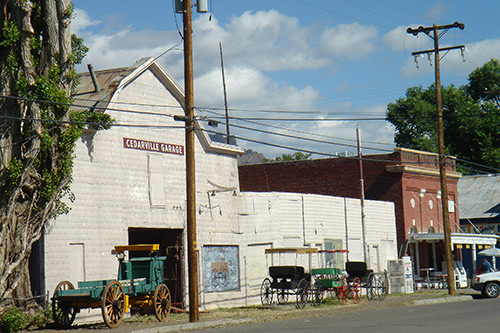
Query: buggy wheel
(113, 304)
(370, 281)
(356, 290)
(318, 293)
(282, 296)
(302, 293)
(266, 293)
(162, 302)
(342, 291)
(64, 313)
(383, 287)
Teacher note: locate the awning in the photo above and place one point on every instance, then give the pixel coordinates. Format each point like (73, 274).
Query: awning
(456, 238)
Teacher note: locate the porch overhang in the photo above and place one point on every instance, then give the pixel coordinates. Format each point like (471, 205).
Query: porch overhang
(456, 238)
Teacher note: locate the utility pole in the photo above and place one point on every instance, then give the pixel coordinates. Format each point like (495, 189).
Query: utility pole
(442, 157)
(362, 194)
(225, 94)
(190, 167)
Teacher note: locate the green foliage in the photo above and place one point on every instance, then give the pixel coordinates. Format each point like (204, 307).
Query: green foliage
(78, 49)
(41, 318)
(14, 169)
(484, 82)
(14, 320)
(10, 34)
(297, 156)
(471, 119)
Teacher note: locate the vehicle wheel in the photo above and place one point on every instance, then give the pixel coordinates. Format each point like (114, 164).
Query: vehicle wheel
(64, 313)
(491, 290)
(317, 293)
(113, 304)
(162, 302)
(302, 294)
(282, 296)
(370, 281)
(356, 290)
(343, 291)
(266, 293)
(383, 287)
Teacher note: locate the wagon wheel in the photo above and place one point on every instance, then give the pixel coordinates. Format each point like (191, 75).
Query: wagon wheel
(266, 293)
(356, 290)
(342, 291)
(301, 294)
(162, 302)
(383, 287)
(318, 293)
(113, 304)
(282, 296)
(63, 312)
(370, 281)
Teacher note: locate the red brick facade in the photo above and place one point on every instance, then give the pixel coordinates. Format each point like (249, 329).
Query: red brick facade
(406, 177)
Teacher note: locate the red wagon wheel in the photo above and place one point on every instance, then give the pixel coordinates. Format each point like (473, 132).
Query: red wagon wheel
(162, 302)
(113, 304)
(356, 290)
(342, 291)
(64, 313)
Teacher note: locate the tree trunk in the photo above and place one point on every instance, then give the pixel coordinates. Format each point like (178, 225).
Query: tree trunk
(31, 148)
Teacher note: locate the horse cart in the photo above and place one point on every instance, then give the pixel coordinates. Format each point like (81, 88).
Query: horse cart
(284, 281)
(376, 284)
(139, 283)
(332, 280)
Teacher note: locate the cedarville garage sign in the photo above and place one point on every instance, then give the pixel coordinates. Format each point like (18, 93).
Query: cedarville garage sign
(159, 147)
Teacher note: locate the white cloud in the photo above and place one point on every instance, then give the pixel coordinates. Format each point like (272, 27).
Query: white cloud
(437, 10)
(81, 21)
(250, 88)
(396, 39)
(352, 41)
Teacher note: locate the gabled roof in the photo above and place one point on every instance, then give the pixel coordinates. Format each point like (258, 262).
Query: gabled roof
(479, 196)
(112, 81)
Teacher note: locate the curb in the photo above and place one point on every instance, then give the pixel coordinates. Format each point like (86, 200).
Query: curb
(448, 299)
(191, 326)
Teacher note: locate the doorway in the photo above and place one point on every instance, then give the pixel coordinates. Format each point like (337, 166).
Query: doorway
(170, 241)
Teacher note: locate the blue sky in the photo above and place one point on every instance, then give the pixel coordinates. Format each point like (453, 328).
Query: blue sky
(322, 59)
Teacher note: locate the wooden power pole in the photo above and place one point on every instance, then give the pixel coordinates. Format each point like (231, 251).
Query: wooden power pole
(190, 167)
(442, 157)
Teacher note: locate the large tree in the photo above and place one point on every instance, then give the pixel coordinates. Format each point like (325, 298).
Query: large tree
(38, 130)
(471, 118)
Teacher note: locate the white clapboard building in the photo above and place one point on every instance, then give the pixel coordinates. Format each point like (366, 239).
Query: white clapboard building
(130, 188)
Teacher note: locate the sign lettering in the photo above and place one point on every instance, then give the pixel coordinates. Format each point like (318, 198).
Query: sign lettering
(159, 147)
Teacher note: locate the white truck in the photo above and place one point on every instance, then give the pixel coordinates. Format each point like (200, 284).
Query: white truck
(487, 283)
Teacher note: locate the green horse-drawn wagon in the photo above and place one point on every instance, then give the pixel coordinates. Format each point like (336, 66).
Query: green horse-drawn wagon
(139, 283)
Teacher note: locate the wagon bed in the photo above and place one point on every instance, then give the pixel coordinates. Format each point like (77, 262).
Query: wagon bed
(139, 283)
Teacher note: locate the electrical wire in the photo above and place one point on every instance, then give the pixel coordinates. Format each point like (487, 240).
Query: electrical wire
(302, 138)
(303, 132)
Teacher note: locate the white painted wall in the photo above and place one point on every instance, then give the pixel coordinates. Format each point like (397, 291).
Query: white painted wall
(112, 193)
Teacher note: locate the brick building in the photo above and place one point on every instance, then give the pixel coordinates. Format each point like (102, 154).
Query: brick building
(409, 178)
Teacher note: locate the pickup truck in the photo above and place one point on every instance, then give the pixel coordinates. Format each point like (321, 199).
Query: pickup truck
(487, 283)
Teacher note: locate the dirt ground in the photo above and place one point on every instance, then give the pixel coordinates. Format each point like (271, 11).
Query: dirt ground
(258, 314)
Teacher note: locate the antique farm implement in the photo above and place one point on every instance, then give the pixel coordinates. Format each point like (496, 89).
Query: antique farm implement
(284, 281)
(139, 283)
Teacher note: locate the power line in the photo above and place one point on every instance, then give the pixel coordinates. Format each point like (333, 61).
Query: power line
(301, 132)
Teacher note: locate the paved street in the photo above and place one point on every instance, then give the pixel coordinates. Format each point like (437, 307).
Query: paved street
(466, 316)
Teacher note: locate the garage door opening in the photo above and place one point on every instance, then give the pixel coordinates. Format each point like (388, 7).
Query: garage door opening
(170, 241)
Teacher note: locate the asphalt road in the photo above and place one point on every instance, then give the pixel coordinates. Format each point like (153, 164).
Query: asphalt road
(467, 316)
